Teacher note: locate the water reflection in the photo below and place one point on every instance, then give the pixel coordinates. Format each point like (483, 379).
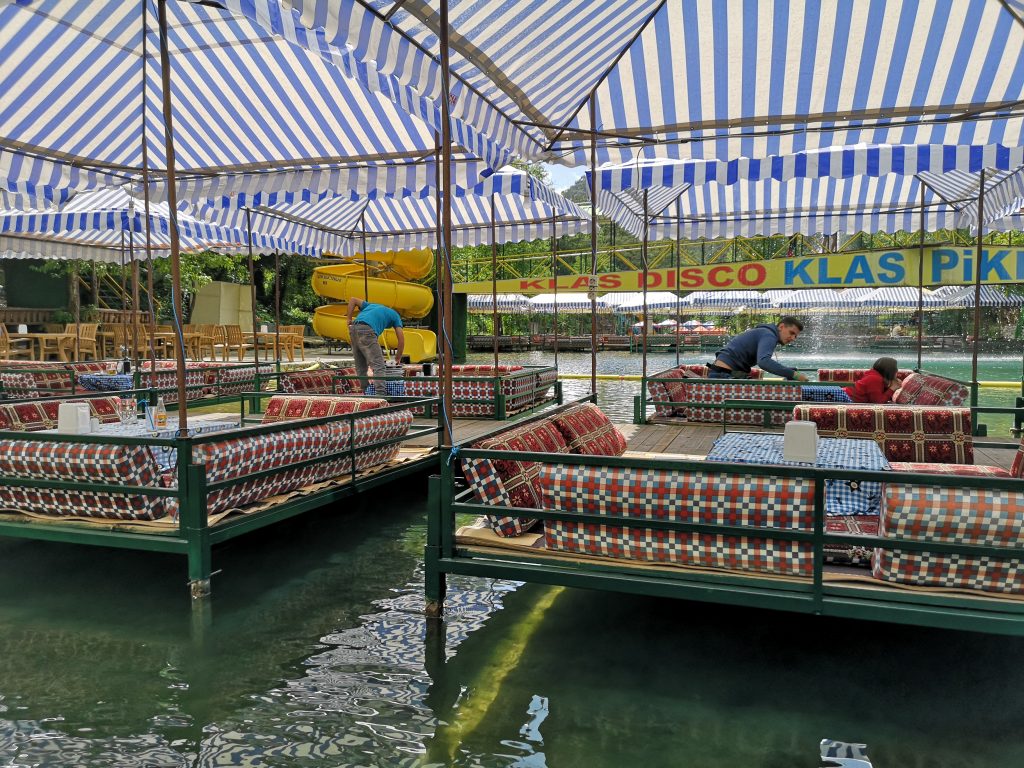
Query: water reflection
(317, 653)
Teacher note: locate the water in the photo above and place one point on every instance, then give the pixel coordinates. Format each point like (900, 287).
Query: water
(314, 654)
(616, 396)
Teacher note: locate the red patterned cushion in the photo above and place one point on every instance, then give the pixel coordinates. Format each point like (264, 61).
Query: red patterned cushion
(350, 384)
(951, 515)
(80, 462)
(286, 408)
(34, 416)
(18, 385)
(321, 381)
(969, 470)
(512, 483)
(904, 433)
(694, 497)
(928, 389)
(851, 375)
(588, 431)
(851, 525)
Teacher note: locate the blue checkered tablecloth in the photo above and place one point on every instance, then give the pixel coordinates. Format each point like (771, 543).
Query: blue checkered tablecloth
(166, 457)
(842, 497)
(392, 388)
(105, 382)
(826, 394)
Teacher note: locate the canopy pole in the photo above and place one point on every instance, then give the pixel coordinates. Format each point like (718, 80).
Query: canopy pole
(643, 258)
(135, 285)
(494, 282)
(593, 246)
(277, 307)
(366, 266)
(145, 204)
(554, 277)
(679, 248)
(443, 435)
(977, 290)
(446, 226)
(78, 311)
(920, 285)
(172, 206)
(124, 287)
(252, 290)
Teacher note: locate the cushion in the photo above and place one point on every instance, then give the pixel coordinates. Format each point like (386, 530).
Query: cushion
(34, 416)
(951, 515)
(694, 497)
(851, 375)
(286, 408)
(321, 381)
(510, 482)
(852, 525)
(80, 462)
(969, 470)
(18, 385)
(588, 431)
(928, 389)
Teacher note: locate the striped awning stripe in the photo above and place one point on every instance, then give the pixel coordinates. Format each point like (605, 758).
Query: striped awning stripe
(634, 302)
(898, 297)
(686, 78)
(991, 296)
(244, 102)
(726, 300)
(570, 303)
(105, 218)
(513, 303)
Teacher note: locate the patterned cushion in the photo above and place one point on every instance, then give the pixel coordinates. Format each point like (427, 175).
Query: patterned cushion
(320, 381)
(588, 431)
(225, 379)
(80, 462)
(718, 391)
(546, 377)
(512, 483)
(852, 525)
(286, 408)
(969, 470)
(928, 389)
(851, 375)
(660, 392)
(18, 385)
(166, 380)
(34, 416)
(951, 515)
(348, 385)
(696, 497)
(904, 433)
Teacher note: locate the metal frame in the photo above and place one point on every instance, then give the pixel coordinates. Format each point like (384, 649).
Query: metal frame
(984, 611)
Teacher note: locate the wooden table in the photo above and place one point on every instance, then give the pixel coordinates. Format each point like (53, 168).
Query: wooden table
(61, 343)
(264, 339)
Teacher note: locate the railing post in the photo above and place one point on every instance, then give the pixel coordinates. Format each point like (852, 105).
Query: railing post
(438, 512)
(192, 520)
(499, 400)
(559, 398)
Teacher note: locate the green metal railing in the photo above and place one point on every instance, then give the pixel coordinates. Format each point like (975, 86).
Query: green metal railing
(193, 536)
(980, 611)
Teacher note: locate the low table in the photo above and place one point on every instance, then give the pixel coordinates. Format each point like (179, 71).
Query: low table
(842, 497)
(166, 457)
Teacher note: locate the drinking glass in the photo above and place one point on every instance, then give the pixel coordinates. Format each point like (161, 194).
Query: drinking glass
(127, 410)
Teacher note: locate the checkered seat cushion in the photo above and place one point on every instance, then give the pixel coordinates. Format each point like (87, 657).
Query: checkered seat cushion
(695, 497)
(315, 382)
(512, 483)
(166, 380)
(935, 435)
(115, 465)
(369, 429)
(929, 389)
(35, 416)
(346, 385)
(720, 390)
(663, 390)
(587, 430)
(225, 379)
(546, 378)
(18, 385)
(951, 515)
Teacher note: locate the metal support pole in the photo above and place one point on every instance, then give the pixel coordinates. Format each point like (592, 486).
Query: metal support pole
(593, 245)
(252, 290)
(145, 204)
(172, 206)
(920, 285)
(643, 256)
(977, 292)
(445, 287)
(494, 281)
(554, 277)
(679, 247)
(277, 307)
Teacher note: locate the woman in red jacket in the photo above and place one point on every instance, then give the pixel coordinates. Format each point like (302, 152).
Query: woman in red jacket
(877, 385)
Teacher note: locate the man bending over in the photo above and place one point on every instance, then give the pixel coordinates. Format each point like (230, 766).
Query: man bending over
(756, 346)
(372, 321)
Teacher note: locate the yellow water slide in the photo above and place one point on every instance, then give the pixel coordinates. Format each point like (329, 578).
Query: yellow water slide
(387, 286)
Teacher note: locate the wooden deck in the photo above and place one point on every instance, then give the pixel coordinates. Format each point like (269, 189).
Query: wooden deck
(690, 440)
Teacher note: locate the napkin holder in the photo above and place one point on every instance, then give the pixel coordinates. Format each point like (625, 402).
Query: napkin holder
(800, 442)
(74, 418)
(22, 328)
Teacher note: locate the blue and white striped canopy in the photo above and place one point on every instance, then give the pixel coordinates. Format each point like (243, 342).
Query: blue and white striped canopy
(569, 303)
(898, 297)
(726, 300)
(815, 298)
(96, 226)
(79, 95)
(524, 209)
(512, 303)
(634, 302)
(991, 296)
(684, 78)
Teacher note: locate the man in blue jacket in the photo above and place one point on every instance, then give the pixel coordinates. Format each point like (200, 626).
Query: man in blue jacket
(364, 331)
(756, 346)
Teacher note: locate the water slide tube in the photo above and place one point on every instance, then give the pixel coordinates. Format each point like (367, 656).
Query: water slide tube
(341, 281)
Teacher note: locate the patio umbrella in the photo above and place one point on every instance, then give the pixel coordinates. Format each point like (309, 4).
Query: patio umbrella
(692, 324)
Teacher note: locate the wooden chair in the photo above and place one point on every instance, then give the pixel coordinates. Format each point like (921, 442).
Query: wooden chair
(87, 343)
(209, 337)
(234, 339)
(294, 341)
(11, 349)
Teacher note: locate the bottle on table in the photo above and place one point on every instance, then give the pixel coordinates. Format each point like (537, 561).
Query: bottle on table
(160, 414)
